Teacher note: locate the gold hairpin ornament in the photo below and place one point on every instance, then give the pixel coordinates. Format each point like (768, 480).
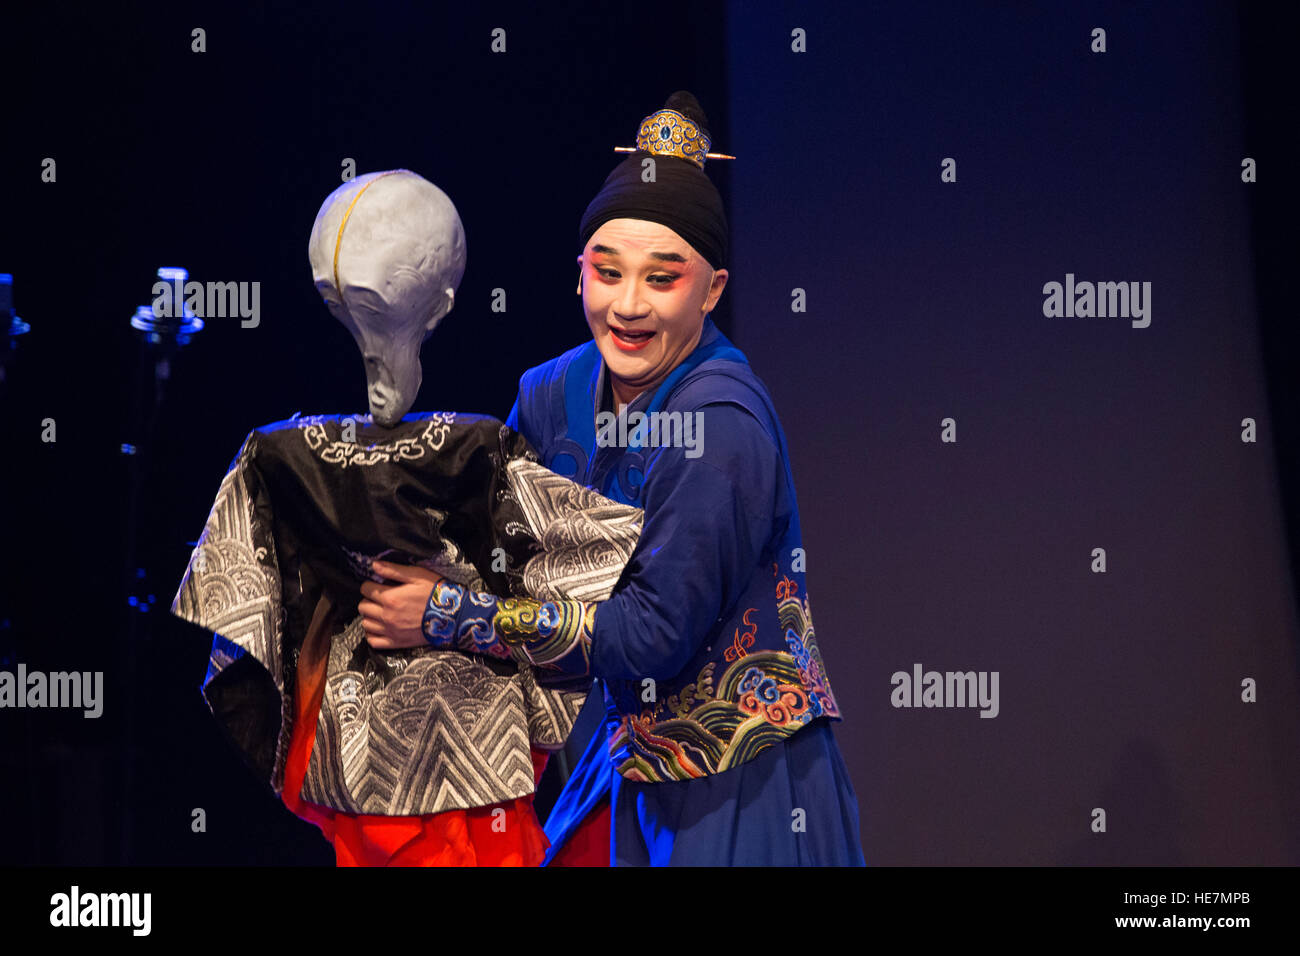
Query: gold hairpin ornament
(670, 133)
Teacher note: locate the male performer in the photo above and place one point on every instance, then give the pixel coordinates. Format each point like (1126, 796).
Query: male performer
(717, 745)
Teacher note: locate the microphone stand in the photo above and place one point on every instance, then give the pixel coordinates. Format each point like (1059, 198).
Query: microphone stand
(164, 328)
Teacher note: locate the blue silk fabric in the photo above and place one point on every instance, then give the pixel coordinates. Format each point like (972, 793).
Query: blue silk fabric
(716, 745)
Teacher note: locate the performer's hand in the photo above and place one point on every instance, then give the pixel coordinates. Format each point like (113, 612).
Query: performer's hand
(393, 614)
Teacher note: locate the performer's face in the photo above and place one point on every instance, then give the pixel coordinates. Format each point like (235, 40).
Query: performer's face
(646, 293)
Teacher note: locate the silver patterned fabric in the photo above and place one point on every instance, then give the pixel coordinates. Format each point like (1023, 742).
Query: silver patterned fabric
(300, 516)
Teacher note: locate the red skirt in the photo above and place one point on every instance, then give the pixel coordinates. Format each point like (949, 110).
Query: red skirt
(473, 837)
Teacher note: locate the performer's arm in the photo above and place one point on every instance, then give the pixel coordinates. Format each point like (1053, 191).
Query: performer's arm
(707, 520)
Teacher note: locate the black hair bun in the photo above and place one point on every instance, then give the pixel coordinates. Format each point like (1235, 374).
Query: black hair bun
(685, 103)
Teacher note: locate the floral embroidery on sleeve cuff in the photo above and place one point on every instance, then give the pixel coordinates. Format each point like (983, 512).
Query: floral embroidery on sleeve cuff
(552, 635)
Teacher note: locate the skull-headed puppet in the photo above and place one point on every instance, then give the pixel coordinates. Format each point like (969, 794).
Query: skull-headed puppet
(387, 254)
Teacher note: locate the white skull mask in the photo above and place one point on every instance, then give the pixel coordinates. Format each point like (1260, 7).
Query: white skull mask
(387, 254)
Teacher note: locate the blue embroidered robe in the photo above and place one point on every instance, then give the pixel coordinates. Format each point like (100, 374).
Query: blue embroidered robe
(716, 746)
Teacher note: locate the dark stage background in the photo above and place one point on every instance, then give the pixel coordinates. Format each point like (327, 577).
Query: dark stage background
(924, 302)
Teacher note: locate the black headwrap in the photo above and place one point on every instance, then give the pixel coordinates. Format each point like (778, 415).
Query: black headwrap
(681, 197)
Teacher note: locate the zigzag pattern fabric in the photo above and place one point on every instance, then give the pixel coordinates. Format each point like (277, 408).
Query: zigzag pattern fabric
(300, 516)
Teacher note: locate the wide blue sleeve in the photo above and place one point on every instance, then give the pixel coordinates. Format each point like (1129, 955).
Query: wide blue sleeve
(709, 516)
